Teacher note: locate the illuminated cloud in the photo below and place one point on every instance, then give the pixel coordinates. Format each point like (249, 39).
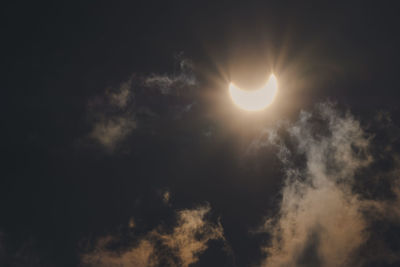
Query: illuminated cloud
(170, 84)
(120, 97)
(141, 255)
(176, 84)
(166, 197)
(112, 120)
(321, 219)
(131, 223)
(191, 235)
(110, 131)
(119, 111)
(179, 247)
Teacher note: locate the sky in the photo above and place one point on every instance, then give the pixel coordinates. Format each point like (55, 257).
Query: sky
(121, 145)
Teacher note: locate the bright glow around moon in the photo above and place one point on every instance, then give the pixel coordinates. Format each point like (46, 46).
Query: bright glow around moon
(255, 100)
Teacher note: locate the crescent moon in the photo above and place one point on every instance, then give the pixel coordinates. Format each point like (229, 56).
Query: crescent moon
(254, 100)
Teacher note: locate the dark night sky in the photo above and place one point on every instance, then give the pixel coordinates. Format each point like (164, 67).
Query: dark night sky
(110, 107)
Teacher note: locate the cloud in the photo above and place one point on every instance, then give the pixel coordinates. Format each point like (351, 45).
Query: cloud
(116, 113)
(321, 220)
(179, 247)
(170, 84)
(110, 131)
(141, 255)
(166, 197)
(112, 119)
(189, 238)
(120, 97)
(175, 84)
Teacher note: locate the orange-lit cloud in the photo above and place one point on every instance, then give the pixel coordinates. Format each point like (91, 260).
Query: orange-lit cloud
(321, 219)
(179, 247)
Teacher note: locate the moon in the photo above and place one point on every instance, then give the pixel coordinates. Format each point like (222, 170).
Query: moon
(254, 100)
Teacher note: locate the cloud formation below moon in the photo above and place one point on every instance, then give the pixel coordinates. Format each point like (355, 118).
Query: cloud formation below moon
(180, 246)
(321, 220)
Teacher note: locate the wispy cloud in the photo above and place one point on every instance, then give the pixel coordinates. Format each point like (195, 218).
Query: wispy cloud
(112, 119)
(174, 84)
(119, 98)
(179, 247)
(171, 85)
(141, 255)
(119, 111)
(110, 131)
(166, 197)
(321, 219)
